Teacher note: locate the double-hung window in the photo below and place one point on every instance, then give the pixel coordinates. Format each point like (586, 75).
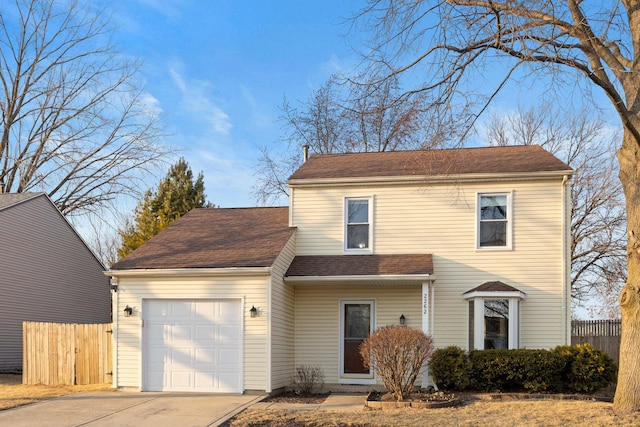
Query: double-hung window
(494, 221)
(358, 229)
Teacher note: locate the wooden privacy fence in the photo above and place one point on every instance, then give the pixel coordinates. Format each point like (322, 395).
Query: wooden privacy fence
(602, 334)
(66, 353)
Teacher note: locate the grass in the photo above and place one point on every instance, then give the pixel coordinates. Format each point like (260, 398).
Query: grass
(550, 413)
(13, 393)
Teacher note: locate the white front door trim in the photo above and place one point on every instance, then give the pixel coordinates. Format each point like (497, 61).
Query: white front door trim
(346, 378)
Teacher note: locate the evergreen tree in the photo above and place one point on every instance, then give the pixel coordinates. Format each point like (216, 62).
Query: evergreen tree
(176, 195)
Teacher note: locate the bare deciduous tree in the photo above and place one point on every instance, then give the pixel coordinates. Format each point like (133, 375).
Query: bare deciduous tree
(446, 41)
(74, 122)
(597, 209)
(347, 117)
(397, 354)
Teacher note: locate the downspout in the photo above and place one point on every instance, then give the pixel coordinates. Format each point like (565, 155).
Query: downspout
(114, 334)
(269, 384)
(566, 287)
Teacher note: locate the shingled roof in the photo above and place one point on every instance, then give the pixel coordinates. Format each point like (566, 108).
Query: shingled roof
(495, 286)
(215, 238)
(511, 159)
(360, 265)
(10, 199)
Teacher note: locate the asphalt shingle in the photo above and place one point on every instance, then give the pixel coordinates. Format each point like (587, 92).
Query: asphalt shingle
(484, 160)
(360, 265)
(215, 238)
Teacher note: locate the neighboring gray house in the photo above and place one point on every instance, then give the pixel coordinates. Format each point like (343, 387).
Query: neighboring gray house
(47, 273)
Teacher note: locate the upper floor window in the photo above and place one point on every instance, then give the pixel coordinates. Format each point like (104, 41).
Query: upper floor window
(494, 218)
(358, 235)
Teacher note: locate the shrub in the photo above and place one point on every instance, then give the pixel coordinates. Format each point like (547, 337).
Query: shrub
(576, 369)
(586, 369)
(450, 368)
(507, 370)
(307, 379)
(397, 354)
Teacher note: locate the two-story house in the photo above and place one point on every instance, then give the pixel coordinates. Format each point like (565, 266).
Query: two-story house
(469, 245)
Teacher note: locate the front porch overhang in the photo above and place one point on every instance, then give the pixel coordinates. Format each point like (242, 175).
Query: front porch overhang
(365, 280)
(365, 270)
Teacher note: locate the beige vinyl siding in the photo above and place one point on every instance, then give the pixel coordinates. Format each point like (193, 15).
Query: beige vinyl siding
(47, 274)
(441, 219)
(317, 320)
(282, 318)
(132, 291)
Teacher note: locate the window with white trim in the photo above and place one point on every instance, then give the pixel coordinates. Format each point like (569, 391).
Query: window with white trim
(494, 320)
(358, 220)
(494, 221)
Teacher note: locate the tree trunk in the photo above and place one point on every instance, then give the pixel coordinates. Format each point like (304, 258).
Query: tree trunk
(627, 398)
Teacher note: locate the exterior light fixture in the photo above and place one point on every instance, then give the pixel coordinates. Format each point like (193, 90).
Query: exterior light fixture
(128, 311)
(402, 319)
(253, 311)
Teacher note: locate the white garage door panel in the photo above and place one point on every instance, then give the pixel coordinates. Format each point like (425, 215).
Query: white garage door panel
(193, 345)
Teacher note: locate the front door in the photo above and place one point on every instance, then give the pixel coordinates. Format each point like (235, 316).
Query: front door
(357, 324)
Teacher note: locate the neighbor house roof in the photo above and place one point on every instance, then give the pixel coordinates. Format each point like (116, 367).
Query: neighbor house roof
(360, 265)
(485, 160)
(215, 238)
(10, 199)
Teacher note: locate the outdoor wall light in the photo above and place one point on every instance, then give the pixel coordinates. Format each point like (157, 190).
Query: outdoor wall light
(402, 319)
(128, 311)
(253, 311)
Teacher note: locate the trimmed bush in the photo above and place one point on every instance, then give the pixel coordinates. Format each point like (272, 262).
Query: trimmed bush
(512, 370)
(571, 369)
(450, 368)
(397, 354)
(587, 369)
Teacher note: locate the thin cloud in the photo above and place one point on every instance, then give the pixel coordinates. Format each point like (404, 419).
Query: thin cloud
(169, 8)
(195, 101)
(150, 104)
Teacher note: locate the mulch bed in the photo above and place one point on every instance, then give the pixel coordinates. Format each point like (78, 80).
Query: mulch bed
(422, 399)
(292, 397)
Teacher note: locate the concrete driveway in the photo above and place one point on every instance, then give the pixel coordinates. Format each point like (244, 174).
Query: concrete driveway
(102, 409)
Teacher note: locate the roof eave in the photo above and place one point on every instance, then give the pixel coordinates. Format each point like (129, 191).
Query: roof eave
(190, 272)
(361, 278)
(494, 294)
(422, 179)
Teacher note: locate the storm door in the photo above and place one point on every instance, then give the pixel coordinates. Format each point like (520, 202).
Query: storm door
(356, 324)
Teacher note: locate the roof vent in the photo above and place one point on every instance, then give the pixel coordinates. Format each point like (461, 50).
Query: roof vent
(305, 153)
(1, 186)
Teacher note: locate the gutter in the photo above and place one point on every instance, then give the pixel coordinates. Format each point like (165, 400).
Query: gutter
(354, 278)
(436, 179)
(191, 272)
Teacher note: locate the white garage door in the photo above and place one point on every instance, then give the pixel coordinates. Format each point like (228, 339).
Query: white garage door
(193, 345)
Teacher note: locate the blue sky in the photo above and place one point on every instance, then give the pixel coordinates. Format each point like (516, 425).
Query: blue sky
(218, 71)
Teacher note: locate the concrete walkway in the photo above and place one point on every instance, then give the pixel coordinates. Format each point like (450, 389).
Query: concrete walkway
(346, 402)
